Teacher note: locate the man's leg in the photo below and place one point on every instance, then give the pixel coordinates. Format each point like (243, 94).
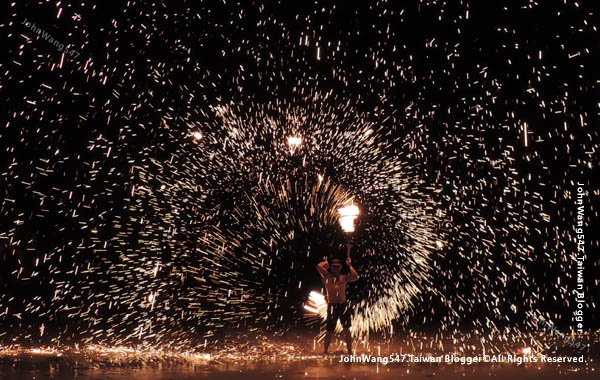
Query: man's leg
(346, 319)
(348, 339)
(332, 317)
(328, 337)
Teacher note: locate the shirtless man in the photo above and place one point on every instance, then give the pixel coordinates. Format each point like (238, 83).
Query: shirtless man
(337, 308)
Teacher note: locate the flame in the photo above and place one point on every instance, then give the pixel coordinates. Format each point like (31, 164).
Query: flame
(347, 216)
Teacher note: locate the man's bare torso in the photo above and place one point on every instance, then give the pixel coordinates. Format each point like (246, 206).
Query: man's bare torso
(336, 288)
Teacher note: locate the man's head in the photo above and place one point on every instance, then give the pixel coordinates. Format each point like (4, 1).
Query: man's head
(335, 265)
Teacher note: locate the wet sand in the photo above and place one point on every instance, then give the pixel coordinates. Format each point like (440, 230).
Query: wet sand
(297, 370)
(268, 359)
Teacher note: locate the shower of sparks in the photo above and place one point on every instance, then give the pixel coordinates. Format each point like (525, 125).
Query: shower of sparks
(180, 176)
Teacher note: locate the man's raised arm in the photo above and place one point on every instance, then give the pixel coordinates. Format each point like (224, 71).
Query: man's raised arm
(353, 275)
(323, 267)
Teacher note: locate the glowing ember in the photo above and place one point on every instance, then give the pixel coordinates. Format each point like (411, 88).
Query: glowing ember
(294, 141)
(316, 304)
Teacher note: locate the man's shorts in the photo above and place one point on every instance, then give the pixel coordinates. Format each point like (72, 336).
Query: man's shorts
(337, 311)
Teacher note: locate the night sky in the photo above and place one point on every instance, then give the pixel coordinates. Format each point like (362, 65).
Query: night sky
(149, 192)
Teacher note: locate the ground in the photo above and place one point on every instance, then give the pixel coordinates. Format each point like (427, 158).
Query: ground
(277, 359)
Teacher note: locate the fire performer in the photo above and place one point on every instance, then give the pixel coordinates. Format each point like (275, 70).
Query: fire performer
(337, 308)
